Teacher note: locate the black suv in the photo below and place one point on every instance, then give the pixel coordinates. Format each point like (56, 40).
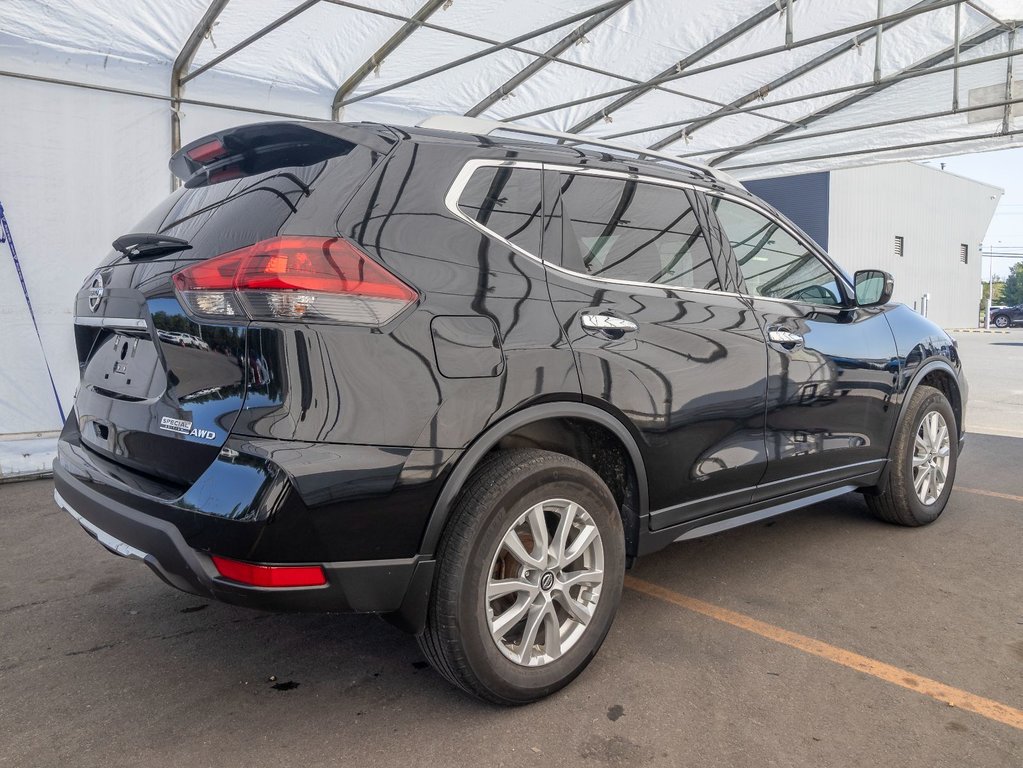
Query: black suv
(1006, 317)
(464, 379)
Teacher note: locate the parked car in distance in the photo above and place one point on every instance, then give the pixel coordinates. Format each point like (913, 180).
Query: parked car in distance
(1006, 317)
(463, 375)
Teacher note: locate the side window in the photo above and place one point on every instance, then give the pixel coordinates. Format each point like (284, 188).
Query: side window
(773, 263)
(628, 230)
(506, 201)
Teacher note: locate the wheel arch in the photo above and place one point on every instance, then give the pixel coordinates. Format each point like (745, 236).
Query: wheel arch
(942, 376)
(533, 424)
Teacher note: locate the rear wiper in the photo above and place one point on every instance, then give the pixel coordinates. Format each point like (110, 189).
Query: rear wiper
(139, 244)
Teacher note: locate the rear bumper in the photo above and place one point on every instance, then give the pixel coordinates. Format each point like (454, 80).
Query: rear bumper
(394, 586)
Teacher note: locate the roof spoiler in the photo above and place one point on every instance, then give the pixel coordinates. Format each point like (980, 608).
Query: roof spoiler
(260, 147)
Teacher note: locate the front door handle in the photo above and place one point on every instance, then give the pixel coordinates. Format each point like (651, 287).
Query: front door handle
(608, 324)
(784, 336)
(781, 336)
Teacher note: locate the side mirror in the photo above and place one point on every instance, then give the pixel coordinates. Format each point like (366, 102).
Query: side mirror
(873, 287)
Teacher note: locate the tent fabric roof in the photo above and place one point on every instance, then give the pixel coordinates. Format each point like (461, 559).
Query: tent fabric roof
(717, 67)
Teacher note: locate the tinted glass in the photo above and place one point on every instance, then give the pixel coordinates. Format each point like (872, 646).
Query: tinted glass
(773, 263)
(507, 201)
(627, 230)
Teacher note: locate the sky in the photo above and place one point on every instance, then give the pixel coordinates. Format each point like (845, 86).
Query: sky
(1003, 168)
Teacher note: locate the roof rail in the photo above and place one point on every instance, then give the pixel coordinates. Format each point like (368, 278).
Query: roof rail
(483, 127)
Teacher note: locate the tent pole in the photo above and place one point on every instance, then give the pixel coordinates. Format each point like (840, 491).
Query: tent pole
(923, 7)
(1007, 118)
(181, 64)
(738, 149)
(878, 35)
(374, 61)
(631, 94)
(249, 40)
(852, 153)
(538, 54)
(928, 65)
(550, 54)
(902, 75)
(955, 59)
(484, 52)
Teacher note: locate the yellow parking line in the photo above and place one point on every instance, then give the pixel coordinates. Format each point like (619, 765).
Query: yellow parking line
(988, 708)
(982, 492)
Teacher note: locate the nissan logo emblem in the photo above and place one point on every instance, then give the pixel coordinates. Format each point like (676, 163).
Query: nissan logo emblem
(95, 292)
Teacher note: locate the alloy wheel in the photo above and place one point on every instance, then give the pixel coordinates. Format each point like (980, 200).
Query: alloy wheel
(931, 456)
(544, 582)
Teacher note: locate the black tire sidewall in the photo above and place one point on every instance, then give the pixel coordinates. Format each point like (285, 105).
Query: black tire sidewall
(932, 400)
(504, 678)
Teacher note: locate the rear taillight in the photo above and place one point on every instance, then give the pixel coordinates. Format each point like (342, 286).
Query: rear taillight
(294, 278)
(270, 575)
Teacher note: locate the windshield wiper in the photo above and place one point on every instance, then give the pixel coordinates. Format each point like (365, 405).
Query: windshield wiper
(140, 244)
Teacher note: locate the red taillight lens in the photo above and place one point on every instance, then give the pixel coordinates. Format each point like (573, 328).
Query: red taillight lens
(270, 575)
(295, 278)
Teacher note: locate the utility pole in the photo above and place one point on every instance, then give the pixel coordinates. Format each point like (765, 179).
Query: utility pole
(990, 284)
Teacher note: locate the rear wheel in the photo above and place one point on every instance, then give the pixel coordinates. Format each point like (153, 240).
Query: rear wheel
(923, 462)
(530, 574)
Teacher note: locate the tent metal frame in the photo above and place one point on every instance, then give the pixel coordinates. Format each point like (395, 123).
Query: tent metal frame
(926, 6)
(927, 65)
(854, 35)
(899, 77)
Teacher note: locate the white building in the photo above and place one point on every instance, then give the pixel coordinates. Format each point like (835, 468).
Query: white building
(923, 225)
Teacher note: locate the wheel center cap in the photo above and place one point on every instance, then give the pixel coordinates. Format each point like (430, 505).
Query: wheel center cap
(546, 580)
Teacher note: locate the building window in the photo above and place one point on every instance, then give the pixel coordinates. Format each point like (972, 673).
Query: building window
(898, 245)
(964, 253)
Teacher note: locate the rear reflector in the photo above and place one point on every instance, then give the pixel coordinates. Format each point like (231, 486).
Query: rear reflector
(270, 575)
(295, 278)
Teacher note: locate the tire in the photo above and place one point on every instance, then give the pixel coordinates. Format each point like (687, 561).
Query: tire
(899, 500)
(473, 555)
(1001, 321)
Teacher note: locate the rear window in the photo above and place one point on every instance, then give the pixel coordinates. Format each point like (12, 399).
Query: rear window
(627, 230)
(507, 202)
(280, 174)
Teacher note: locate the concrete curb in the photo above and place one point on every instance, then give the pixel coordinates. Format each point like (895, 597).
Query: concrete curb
(975, 330)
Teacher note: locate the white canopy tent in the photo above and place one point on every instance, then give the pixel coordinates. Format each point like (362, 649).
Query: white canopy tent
(96, 96)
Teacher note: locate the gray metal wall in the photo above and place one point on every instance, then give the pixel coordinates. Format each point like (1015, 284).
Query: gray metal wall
(935, 212)
(804, 198)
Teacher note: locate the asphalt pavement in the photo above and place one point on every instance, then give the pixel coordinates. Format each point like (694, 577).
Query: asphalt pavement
(820, 638)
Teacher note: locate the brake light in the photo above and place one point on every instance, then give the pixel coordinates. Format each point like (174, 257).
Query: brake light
(270, 575)
(207, 152)
(294, 278)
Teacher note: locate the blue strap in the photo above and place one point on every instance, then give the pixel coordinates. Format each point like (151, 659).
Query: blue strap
(5, 237)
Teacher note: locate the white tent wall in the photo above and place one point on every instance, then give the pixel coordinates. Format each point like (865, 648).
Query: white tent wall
(74, 166)
(79, 167)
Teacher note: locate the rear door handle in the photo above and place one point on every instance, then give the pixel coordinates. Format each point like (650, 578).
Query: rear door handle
(607, 323)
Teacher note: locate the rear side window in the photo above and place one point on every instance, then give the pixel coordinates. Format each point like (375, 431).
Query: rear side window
(507, 202)
(627, 230)
(773, 263)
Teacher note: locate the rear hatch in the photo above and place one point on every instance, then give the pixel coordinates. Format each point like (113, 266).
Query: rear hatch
(161, 389)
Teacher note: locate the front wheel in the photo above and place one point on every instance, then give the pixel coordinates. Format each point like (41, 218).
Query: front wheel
(923, 462)
(1001, 321)
(530, 574)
